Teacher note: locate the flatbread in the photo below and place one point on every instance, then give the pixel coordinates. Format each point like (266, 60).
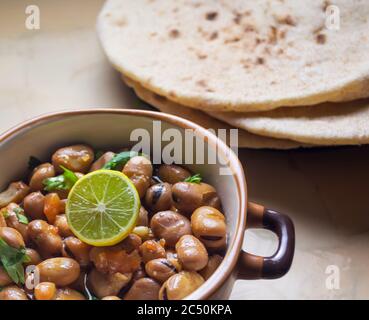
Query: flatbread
(240, 55)
(345, 123)
(245, 139)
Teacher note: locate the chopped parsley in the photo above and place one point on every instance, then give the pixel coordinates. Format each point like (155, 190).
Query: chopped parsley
(12, 259)
(20, 215)
(193, 179)
(120, 159)
(65, 181)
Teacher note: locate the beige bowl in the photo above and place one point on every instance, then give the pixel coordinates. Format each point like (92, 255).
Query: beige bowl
(105, 128)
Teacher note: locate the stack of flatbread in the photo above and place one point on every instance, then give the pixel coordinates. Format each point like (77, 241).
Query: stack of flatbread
(287, 73)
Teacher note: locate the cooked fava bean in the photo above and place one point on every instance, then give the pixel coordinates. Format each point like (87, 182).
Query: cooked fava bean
(76, 249)
(13, 212)
(77, 158)
(45, 236)
(191, 253)
(139, 170)
(39, 174)
(63, 194)
(130, 243)
(139, 273)
(45, 291)
(143, 217)
(172, 173)
(103, 285)
(2, 219)
(180, 285)
(61, 271)
(79, 284)
(12, 293)
(99, 163)
(111, 298)
(172, 257)
(52, 207)
(208, 224)
(187, 196)
(12, 237)
(160, 269)
(33, 205)
(33, 257)
(213, 263)
(4, 278)
(61, 223)
(170, 226)
(143, 289)
(68, 294)
(159, 197)
(15, 192)
(151, 249)
(123, 257)
(144, 233)
(115, 259)
(63, 204)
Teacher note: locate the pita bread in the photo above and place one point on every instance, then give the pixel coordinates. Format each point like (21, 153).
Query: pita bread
(345, 123)
(240, 55)
(245, 139)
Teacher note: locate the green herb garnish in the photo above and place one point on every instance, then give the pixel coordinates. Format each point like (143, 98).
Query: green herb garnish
(194, 179)
(120, 159)
(12, 260)
(33, 162)
(64, 181)
(20, 215)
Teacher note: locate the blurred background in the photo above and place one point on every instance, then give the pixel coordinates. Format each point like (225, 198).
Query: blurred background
(325, 191)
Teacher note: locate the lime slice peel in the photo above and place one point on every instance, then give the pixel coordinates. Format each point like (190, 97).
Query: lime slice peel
(103, 207)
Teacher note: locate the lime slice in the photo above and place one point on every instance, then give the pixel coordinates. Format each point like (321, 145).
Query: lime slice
(103, 207)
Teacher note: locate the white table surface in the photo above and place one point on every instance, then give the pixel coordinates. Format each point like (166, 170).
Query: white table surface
(325, 191)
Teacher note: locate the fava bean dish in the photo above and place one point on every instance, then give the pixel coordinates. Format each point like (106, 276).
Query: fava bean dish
(108, 226)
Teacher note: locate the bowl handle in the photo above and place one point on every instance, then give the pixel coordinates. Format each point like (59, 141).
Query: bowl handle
(277, 265)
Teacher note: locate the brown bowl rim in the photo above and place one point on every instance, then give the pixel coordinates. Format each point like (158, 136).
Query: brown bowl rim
(230, 259)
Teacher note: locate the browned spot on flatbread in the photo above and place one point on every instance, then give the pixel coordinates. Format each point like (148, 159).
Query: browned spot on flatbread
(282, 34)
(246, 63)
(260, 60)
(288, 20)
(213, 35)
(325, 5)
(249, 28)
(172, 94)
(258, 41)
(201, 56)
(203, 84)
(212, 15)
(321, 38)
(272, 37)
(232, 40)
(237, 19)
(174, 33)
(318, 29)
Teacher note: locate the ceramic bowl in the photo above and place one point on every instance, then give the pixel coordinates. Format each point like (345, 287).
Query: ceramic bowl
(112, 128)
